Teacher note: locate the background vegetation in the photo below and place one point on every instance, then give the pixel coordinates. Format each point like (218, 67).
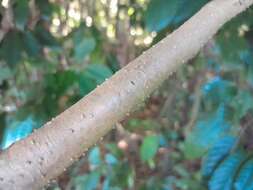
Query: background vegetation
(195, 132)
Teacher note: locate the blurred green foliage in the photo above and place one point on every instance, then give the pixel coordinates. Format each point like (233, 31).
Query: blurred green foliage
(195, 131)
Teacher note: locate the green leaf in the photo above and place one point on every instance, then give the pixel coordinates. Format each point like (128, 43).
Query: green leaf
(110, 159)
(2, 128)
(92, 76)
(230, 44)
(137, 124)
(57, 83)
(94, 156)
(247, 58)
(153, 183)
(250, 186)
(250, 76)
(44, 37)
(206, 133)
(242, 103)
(46, 8)
(5, 74)
(11, 48)
(160, 14)
(87, 182)
(222, 179)
(149, 147)
(21, 13)
(218, 90)
(17, 130)
(113, 62)
(106, 184)
(122, 175)
(216, 154)
(186, 9)
(114, 149)
(245, 176)
(83, 48)
(31, 44)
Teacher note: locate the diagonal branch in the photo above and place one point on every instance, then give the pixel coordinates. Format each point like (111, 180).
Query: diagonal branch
(32, 162)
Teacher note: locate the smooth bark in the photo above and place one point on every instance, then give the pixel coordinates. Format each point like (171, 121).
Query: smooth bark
(31, 163)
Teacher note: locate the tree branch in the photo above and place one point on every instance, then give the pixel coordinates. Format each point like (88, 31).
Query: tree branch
(32, 162)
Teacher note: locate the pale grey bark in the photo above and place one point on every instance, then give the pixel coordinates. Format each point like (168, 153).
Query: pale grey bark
(32, 162)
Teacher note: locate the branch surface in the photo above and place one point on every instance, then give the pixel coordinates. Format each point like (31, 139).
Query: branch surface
(31, 163)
